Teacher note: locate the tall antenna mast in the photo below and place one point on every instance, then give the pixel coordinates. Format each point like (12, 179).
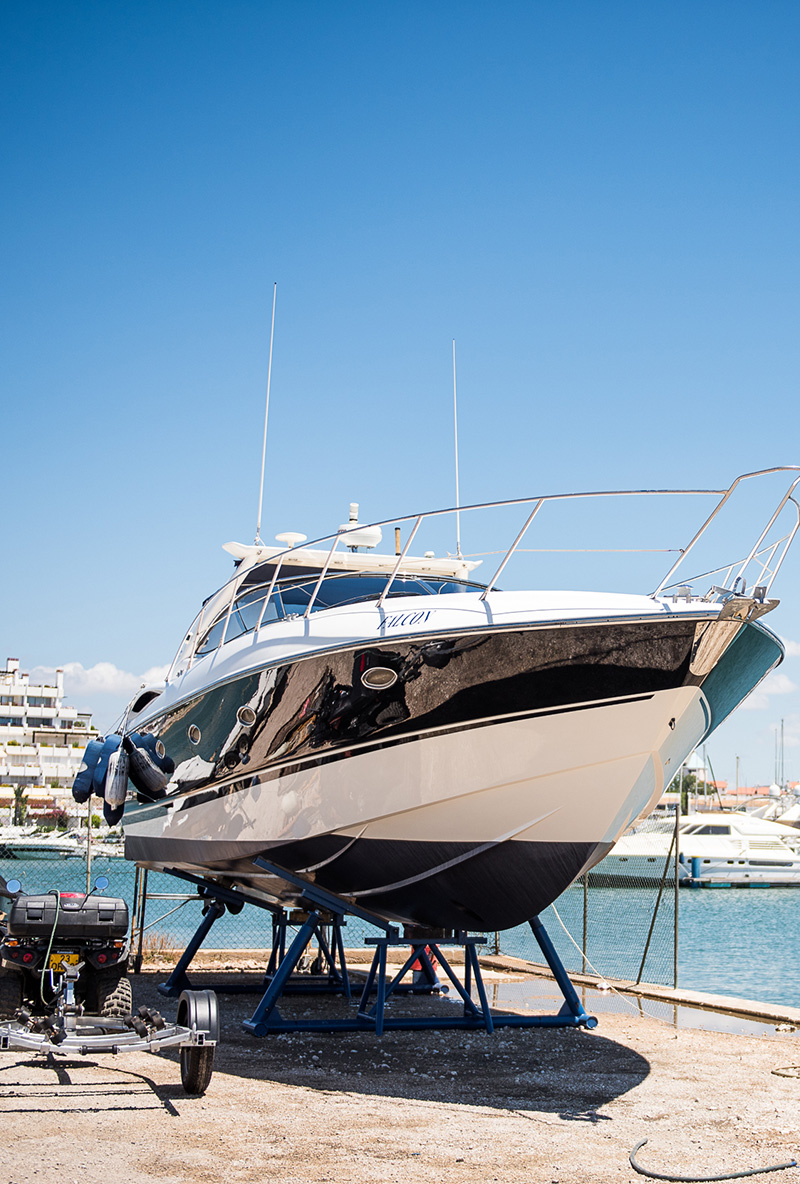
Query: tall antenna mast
(455, 438)
(266, 417)
(782, 781)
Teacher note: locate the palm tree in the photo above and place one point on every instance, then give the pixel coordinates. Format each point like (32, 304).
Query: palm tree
(20, 805)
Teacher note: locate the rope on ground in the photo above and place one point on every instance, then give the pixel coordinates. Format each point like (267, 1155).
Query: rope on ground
(775, 1167)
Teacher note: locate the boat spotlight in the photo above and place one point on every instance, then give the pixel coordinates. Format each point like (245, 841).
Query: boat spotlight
(378, 678)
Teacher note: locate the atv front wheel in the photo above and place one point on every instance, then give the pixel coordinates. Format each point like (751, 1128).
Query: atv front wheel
(113, 996)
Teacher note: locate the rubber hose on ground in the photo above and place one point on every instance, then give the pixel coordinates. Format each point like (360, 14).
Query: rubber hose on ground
(775, 1167)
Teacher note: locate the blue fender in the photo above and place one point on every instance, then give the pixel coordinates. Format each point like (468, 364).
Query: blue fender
(110, 744)
(83, 783)
(113, 814)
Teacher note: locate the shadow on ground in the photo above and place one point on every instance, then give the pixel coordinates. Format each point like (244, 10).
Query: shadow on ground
(568, 1072)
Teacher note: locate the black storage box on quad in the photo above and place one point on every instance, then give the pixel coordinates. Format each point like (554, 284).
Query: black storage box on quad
(78, 916)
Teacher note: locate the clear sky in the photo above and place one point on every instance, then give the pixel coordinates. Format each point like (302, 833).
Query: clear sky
(599, 201)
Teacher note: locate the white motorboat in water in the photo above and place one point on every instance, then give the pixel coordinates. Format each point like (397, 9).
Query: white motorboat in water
(435, 749)
(18, 843)
(715, 848)
(30, 843)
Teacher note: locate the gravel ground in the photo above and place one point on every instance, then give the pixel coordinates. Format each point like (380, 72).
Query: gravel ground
(540, 1105)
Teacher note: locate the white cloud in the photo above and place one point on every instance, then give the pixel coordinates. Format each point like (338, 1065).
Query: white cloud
(104, 678)
(776, 683)
(792, 648)
(102, 689)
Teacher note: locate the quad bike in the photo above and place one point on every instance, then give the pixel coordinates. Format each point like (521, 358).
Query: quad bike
(47, 933)
(64, 985)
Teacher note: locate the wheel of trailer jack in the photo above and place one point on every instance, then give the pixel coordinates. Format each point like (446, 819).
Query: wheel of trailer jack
(198, 1010)
(10, 994)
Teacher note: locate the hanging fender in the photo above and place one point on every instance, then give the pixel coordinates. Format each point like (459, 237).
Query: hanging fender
(110, 745)
(82, 786)
(148, 769)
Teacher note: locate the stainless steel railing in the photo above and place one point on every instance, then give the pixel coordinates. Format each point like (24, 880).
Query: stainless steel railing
(768, 554)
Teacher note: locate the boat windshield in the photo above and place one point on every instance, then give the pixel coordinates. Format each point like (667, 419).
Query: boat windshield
(291, 597)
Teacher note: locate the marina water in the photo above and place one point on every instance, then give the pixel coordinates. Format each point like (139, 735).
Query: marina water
(743, 942)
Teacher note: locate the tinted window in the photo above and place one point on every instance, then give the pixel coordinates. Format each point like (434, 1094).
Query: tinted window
(339, 590)
(292, 597)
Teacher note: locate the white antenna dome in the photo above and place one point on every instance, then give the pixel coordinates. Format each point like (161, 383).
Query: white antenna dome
(291, 538)
(356, 536)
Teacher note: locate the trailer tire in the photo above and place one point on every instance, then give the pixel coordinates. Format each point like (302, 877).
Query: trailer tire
(113, 996)
(199, 1011)
(10, 993)
(197, 1065)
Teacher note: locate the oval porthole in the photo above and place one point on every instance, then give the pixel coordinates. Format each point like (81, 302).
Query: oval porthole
(160, 749)
(194, 733)
(378, 678)
(246, 716)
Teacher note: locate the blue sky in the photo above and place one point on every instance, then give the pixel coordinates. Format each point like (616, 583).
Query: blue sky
(598, 201)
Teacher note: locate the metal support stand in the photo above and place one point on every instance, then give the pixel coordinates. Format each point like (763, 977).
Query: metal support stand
(574, 1007)
(218, 897)
(267, 1018)
(331, 975)
(325, 909)
(178, 981)
(330, 970)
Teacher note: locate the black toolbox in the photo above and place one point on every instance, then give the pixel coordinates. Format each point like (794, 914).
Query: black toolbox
(79, 916)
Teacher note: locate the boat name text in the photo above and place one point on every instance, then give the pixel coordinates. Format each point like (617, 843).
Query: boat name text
(398, 619)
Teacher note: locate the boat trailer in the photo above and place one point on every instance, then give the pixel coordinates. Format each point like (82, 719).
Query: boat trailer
(323, 911)
(67, 1031)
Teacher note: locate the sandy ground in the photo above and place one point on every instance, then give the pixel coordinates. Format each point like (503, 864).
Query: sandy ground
(521, 1105)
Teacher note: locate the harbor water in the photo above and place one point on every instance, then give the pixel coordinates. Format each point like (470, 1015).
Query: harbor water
(743, 942)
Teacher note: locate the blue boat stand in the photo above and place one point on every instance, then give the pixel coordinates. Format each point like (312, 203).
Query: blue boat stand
(326, 910)
(329, 974)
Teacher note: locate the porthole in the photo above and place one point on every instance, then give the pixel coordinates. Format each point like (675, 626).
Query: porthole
(194, 734)
(243, 746)
(246, 716)
(379, 678)
(160, 749)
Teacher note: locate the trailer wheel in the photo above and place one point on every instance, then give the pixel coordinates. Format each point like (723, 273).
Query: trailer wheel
(198, 1011)
(197, 1065)
(10, 993)
(113, 996)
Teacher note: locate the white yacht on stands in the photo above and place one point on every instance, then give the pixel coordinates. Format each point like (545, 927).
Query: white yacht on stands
(435, 749)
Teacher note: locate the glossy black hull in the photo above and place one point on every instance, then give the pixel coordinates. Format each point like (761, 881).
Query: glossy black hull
(474, 888)
(624, 692)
